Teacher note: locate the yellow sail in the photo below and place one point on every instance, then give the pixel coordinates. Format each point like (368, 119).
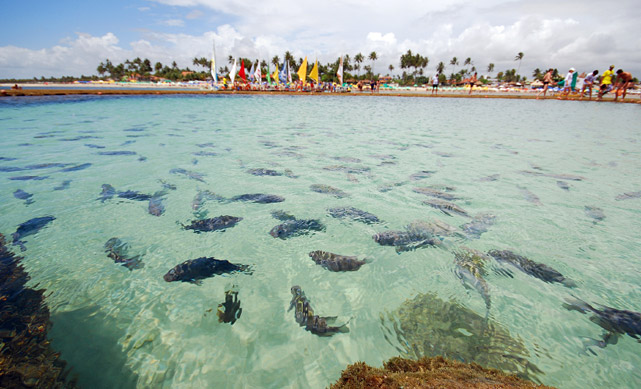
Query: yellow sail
(275, 75)
(302, 71)
(314, 73)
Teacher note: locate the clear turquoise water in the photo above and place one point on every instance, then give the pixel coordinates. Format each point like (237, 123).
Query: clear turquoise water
(131, 328)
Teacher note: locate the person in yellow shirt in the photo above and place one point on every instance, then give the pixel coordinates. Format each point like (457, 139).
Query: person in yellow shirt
(606, 82)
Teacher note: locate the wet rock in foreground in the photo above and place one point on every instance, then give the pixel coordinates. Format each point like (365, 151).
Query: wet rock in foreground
(27, 359)
(436, 372)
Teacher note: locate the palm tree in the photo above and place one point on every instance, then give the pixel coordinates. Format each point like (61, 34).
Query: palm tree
(230, 59)
(358, 58)
(391, 69)
(276, 61)
(490, 68)
(468, 61)
(519, 57)
(289, 58)
(440, 67)
(373, 57)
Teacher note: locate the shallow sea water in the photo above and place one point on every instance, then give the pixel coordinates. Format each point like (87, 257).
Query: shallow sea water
(125, 328)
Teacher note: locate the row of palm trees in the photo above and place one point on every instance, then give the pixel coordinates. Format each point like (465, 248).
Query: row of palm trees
(415, 63)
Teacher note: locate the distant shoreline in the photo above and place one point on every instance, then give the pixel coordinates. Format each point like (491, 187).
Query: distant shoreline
(138, 90)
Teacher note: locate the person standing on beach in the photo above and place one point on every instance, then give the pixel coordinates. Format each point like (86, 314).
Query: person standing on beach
(567, 86)
(587, 83)
(623, 81)
(547, 80)
(472, 82)
(435, 83)
(606, 82)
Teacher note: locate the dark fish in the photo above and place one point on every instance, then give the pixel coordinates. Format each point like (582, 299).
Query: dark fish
(478, 225)
(282, 215)
(569, 177)
(76, 168)
(421, 175)
(229, 310)
(470, 270)
(264, 172)
(92, 146)
(595, 213)
(45, 166)
(538, 270)
(116, 249)
(406, 240)
(63, 185)
(493, 177)
(205, 154)
(259, 198)
(326, 189)
(116, 153)
(336, 262)
(203, 145)
(355, 214)
(109, 191)
(387, 187)
(197, 269)
(156, 207)
(615, 321)
(443, 154)
(296, 227)
(290, 174)
(435, 193)
(27, 178)
(213, 224)
(10, 169)
(30, 227)
(628, 195)
(203, 196)
(446, 207)
(127, 142)
(22, 195)
(347, 159)
(304, 314)
(135, 129)
(529, 196)
(193, 175)
(7, 159)
(563, 185)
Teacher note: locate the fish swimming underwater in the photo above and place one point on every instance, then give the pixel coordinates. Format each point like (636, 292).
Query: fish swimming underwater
(22, 195)
(213, 224)
(156, 207)
(30, 227)
(614, 321)
(116, 249)
(330, 190)
(479, 225)
(595, 213)
(304, 314)
(446, 207)
(260, 198)
(109, 191)
(195, 270)
(295, 228)
(537, 270)
(264, 172)
(406, 240)
(354, 214)
(336, 262)
(229, 310)
(193, 175)
(435, 193)
(470, 270)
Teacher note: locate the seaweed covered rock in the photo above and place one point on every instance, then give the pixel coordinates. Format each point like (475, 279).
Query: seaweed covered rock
(428, 327)
(436, 372)
(26, 359)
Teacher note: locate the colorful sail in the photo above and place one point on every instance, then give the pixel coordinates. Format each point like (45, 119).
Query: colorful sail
(289, 74)
(258, 74)
(241, 72)
(314, 73)
(275, 75)
(339, 73)
(302, 71)
(232, 74)
(251, 73)
(282, 76)
(214, 76)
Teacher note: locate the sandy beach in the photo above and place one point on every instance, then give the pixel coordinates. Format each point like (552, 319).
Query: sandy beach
(172, 89)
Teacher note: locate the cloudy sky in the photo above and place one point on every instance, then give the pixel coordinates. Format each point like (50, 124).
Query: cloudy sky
(69, 37)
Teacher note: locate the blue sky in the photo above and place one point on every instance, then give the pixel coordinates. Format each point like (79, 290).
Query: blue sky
(55, 38)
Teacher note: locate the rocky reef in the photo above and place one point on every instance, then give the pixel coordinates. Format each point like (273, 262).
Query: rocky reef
(436, 372)
(26, 358)
(428, 326)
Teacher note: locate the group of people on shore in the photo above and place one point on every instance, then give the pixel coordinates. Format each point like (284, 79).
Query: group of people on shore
(620, 82)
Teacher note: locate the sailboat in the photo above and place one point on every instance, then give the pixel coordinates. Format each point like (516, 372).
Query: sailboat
(214, 76)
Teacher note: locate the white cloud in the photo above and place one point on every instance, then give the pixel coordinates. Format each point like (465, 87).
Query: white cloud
(492, 32)
(173, 22)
